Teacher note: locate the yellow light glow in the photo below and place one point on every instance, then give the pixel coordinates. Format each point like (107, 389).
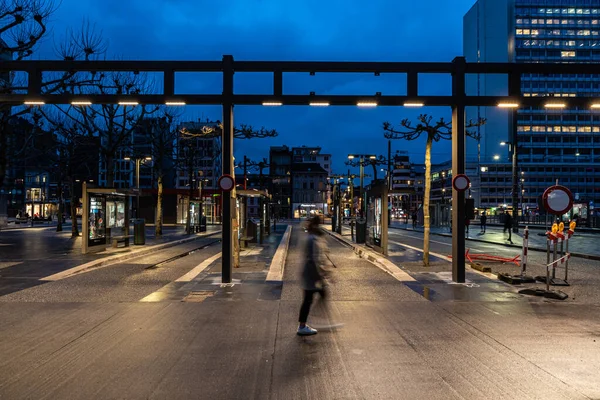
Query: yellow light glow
(319, 103)
(34, 103)
(271, 103)
(413, 104)
(596, 105)
(128, 103)
(175, 103)
(555, 105)
(508, 105)
(367, 104)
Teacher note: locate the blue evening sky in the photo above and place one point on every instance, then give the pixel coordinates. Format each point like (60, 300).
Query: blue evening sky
(337, 30)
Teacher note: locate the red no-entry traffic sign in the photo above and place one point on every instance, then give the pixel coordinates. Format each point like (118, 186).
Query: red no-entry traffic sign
(461, 182)
(226, 183)
(558, 199)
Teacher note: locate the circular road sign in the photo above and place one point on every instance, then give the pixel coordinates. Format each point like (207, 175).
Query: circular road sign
(461, 182)
(226, 183)
(558, 199)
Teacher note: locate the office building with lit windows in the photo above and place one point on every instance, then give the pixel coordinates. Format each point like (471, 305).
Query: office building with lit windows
(553, 144)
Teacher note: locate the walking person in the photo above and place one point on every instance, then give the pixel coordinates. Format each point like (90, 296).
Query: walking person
(414, 220)
(508, 225)
(467, 223)
(313, 275)
(483, 220)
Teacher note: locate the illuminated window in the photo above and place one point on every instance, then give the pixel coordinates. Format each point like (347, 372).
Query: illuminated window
(594, 22)
(526, 32)
(596, 129)
(520, 21)
(580, 11)
(533, 21)
(567, 54)
(557, 32)
(586, 11)
(535, 32)
(519, 31)
(565, 21)
(571, 11)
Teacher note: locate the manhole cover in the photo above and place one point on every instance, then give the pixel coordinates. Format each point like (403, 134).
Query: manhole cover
(198, 297)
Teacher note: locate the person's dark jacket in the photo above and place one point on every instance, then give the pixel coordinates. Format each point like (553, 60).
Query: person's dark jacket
(507, 221)
(311, 274)
(483, 219)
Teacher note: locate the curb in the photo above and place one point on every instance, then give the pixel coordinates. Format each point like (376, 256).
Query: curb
(577, 255)
(277, 266)
(103, 262)
(376, 259)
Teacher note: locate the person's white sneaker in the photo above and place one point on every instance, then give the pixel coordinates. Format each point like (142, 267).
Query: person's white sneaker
(306, 331)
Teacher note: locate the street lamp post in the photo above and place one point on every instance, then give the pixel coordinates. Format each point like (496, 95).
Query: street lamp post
(138, 163)
(361, 226)
(512, 148)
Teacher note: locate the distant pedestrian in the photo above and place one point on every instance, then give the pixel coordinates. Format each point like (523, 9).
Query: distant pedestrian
(414, 220)
(313, 275)
(467, 224)
(483, 220)
(508, 225)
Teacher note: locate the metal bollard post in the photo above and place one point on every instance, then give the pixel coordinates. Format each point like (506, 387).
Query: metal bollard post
(524, 251)
(567, 261)
(554, 259)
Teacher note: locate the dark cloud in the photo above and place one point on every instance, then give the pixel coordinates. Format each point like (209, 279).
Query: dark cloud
(377, 30)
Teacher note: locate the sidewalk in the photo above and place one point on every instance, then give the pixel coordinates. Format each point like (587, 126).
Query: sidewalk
(581, 245)
(239, 342)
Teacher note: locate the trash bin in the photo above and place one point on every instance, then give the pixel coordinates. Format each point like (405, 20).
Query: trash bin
(252, 231)
(139, 231)
(361, 230)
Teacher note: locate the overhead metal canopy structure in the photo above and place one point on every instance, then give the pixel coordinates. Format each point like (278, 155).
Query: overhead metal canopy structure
(457, 100)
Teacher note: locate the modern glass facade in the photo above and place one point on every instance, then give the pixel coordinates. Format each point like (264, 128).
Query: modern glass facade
(561, 144)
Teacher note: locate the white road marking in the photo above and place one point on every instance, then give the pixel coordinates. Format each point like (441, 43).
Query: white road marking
(198, 269)
(431, 241)
(8, 264)
(421, 250)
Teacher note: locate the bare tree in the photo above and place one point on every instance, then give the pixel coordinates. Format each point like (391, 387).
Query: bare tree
(23, 23)
(210, 130)
(373, 162)
(72, 160)
(440, 130)
(162, 136)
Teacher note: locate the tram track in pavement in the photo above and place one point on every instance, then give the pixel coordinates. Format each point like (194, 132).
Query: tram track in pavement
(184, 254)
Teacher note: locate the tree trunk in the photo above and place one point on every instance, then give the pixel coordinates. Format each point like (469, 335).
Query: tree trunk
(159, 212)
(74, 203)
(3, 154)
(426, 217)
(61, 209)
(188, 223)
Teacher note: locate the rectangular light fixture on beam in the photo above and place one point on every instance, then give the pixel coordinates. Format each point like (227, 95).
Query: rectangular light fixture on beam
(34, 103)
(596, 105)
(413, 104)
(367, 104)
(508, 105)
(81, 103)
(319, 103)
(271, 103)
(128, 103)
(555, 105)
(175, 103)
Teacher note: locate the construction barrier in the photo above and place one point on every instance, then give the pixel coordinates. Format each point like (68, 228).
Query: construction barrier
(522, 277)
(554, 237)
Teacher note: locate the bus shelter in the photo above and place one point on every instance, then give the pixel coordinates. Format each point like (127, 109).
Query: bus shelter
(253, 228)
(104, 217)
